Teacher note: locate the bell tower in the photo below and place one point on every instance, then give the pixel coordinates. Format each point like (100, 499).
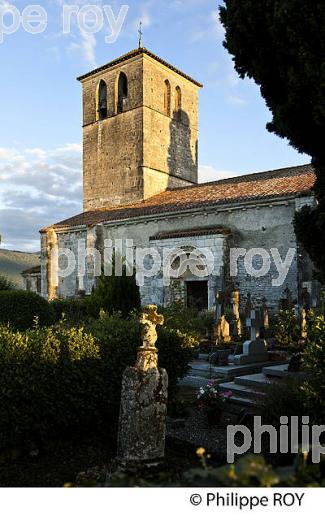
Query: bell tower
(140, 130)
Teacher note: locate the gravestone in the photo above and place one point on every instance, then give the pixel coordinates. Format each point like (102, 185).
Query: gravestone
(265, 315)
(222, 327)
(220, 358)
(255, 349)
(236, 327)
(143, 411)
(223, 330)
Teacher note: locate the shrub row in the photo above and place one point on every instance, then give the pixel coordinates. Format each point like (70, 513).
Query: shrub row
(56, 380)
(22, 308)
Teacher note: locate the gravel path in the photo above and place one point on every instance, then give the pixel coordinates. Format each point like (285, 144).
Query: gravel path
(196, 430)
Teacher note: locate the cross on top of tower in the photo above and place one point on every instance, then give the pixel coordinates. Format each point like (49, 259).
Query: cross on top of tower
(140, 34)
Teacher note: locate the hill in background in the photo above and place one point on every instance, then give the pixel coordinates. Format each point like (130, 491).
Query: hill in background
(12, 263)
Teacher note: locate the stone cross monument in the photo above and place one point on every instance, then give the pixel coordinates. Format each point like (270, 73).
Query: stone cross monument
(253, 324)
(255, 349)
(141, 438)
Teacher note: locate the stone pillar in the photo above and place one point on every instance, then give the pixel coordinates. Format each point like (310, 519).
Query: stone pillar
(236, 329)
(142, 424)
(52, 258)
(265, 315)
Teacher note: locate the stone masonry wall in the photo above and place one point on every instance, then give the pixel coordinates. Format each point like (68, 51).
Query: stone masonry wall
(170, 142)
(142, 151)
(259, 225)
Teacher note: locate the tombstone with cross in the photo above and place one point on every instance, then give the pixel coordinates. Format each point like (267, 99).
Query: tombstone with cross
(253, 323)
(255, 349)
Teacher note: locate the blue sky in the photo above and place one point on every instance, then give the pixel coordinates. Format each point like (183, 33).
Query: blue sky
(40, 106)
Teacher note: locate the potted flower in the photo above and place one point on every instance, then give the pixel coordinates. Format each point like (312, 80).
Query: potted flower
(211, 400)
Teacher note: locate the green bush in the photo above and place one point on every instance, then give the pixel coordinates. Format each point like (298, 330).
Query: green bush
(119, 340)
(21, 308)
(58, 380)
(5, 284)
(248, 471)
(190, 321)
(314, 361)
(71, 310)
(175, 350)
(115, 294)
(52, 380)
(287, 330)
(254, 471)
(283, 399)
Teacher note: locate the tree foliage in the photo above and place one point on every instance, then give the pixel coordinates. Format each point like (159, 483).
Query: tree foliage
(115, 293)
(5, 284)
(281, 46)
(314, 360)
(22, 308)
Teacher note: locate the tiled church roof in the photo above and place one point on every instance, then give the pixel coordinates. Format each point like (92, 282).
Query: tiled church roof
(287, 182)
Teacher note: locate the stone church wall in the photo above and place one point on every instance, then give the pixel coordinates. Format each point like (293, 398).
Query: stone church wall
(263, 225)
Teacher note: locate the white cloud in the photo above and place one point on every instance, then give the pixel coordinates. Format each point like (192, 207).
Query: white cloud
(9, 154)
(236, 100)
(208, 27)
(86, 48)
(144, 18)
(37, 188)
(209, 174)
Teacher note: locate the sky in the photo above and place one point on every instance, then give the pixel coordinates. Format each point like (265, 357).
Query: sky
(41, 111)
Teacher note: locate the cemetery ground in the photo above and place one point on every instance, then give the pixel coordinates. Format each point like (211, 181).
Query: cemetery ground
(61, 377)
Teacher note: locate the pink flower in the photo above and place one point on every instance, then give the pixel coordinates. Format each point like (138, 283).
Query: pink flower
(227, 394)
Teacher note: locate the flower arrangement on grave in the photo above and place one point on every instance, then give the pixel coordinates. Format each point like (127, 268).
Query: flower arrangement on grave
(211, 400)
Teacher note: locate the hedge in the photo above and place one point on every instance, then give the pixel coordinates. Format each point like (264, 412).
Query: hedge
(71, 310)
(56, 380)
(22, 308)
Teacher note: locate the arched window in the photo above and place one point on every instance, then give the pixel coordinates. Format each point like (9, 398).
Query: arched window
(122, 92)
(167, 98)
(178, 102)
(101, 100)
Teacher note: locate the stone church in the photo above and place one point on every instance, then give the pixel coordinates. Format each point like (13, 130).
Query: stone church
(140, 177)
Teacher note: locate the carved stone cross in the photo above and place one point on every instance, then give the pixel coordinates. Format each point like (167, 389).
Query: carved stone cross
(147, 353)
(254, 323)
